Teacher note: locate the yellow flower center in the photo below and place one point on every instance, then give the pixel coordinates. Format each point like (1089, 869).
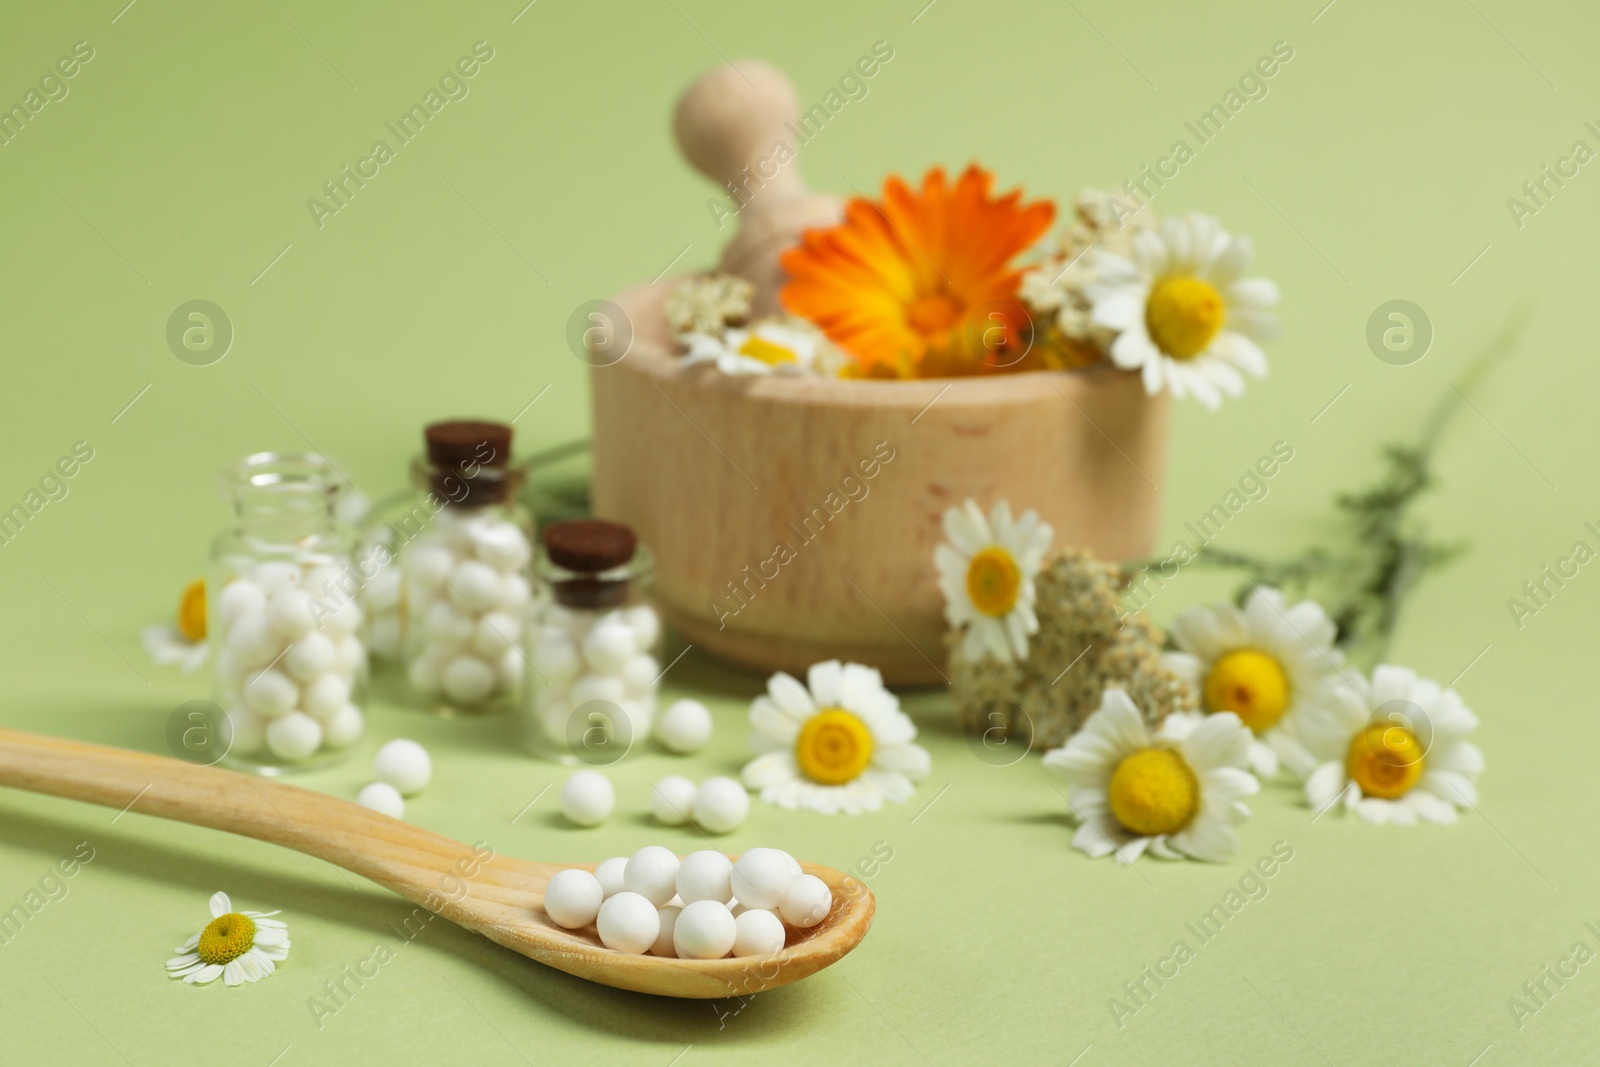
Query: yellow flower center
(1385, 761)
(766, 351)
(993, 581)
(192, 612)
(1183, 314)
(933, 314)
(226, 938)
(834, 747)
(1154, 792)
(1250, 684)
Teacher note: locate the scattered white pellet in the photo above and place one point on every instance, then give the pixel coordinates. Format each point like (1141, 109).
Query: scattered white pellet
(587, 798)
(672, 800)
(573, 898)
(705, 930)
(403, 764)
(721, 805)
(628, 922)
(685, 727)
(382, 798)
(757, 933)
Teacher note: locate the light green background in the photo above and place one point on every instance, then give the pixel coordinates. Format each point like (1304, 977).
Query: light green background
(1377, 168)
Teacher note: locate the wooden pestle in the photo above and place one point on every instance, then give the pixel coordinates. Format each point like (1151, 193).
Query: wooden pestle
(736, 125)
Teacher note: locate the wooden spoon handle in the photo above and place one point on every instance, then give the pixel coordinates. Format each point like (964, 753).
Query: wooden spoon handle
(394, 854)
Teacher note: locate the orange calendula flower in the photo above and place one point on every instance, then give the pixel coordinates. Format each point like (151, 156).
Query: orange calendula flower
(922, 284)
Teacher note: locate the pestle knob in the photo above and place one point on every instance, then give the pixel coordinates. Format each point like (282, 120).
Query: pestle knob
(736, 125)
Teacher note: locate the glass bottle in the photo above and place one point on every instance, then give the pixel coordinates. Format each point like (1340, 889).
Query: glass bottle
(462, 546)
(290, 656)
(592, 645)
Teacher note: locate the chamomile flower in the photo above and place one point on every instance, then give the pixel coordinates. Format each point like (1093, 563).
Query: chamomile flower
(1175, 792)
(987, 573)
(238, 946)
(839, 743)
(1268, 663)
(184, 642)
(1393, 749)
(766, 348)
(1184, 316)
(707, 303)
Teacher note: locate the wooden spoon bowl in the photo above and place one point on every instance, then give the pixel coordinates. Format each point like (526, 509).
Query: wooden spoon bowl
(472, 885)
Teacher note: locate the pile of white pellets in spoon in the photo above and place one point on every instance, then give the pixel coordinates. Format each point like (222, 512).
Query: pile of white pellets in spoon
(704, 907)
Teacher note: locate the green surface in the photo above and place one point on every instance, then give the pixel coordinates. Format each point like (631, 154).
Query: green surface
(1377, 167)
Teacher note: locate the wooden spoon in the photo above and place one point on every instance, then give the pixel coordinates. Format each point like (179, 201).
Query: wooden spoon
(497, 896)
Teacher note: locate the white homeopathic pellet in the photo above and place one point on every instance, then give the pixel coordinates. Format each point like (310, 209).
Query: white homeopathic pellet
(403, 764)
(652, 872)
(270, 693)
(610, 874)
(720, 805)
(704, 875)
(294, 737)
(609, 646)
(664, 946)
(806, 902)
(672, 800)
(587, 798)
(705, 931)
(685, 728)
(628, 922)
(573, 898)
(757, 933)
(344, 728)
(761, 877)
(382, 798)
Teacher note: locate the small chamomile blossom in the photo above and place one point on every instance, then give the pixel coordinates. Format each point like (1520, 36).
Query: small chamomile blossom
(1175, 792)
(1184, 316)
(1268, 663)
(237, 946)
(838, 743)
(1393, 749)
(184, 642)
(987, 572)
(766, 348)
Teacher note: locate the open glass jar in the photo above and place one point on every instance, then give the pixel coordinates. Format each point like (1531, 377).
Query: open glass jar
(457, 599)
(592, 645)
(290, 655)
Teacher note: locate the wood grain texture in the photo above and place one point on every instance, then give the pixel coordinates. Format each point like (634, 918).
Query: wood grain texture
(498, 896)
(717, 472)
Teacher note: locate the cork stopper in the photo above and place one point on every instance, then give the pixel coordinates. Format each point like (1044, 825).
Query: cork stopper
(464, 442)
(589, 545)
(469, 460)
(588, 548)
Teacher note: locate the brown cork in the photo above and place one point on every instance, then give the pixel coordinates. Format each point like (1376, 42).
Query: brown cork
(589, 545)
(459, 442)
(469, 460)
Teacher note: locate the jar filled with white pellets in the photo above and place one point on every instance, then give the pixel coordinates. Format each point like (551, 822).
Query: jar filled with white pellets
(592, 645)
(288, 629)
(463, 550)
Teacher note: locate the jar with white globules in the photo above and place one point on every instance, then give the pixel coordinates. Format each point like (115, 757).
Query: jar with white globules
(464, 551)
(593, 644)
(288, 639)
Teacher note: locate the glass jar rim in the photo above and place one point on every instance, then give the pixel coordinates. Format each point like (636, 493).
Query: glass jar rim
(305, 474)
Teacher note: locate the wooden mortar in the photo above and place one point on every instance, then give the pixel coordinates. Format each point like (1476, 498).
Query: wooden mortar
(774, 547)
